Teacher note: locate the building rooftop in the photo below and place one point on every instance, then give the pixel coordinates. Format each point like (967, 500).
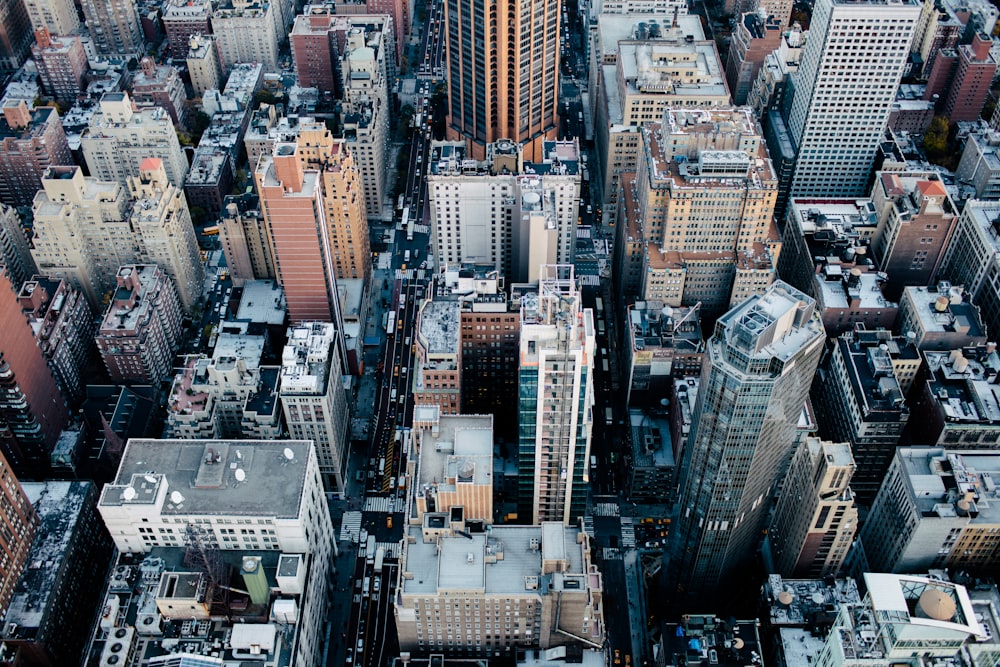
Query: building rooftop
(264, 401)
(943, 308)
(651, 443)
(868, 356)
(854, 290)
(59, 506)
(950, 484)
(615, 28)
(262, 301)
(460, 448)
(439, 331)
(676, 68)
(700, 641)
(806, 603)
(305, 361)
(654, 325)
(776, 323)
(133, 299)
(201, 477)
(507, 560)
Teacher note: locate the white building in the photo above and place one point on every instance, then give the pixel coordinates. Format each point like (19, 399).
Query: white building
(120, 138)
(246, 495)
(248, 32)
(973, 259)
(204, 65)
(314, 400)
(844, 89)
(59, 17)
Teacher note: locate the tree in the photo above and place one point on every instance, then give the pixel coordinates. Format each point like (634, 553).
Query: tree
(936, 138)
(198, 122)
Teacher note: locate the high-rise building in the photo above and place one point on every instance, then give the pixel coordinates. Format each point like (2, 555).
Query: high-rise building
(550, 595)
(555, 399)
(314, 400)
(844, 89)
(204, 65)
(970, 81)
(972, 259)
(33, 411)
(504, 211)
(119, 138)
(859, 395)
(15, 253)
(291, 199)
(437, 371)
(940, 317)
(247, 31)
(503, 73)
(63, 325)
(815, 517)
(757, 34)
(245, 240)
(934, 511)
(161, 224)
(272, 487)
(141, 329)
(15, 35)
(19, 521)
(159, 86)
(62, 65)
(916, 220)
(31, 140)
(59, 17)
(759, 365)
(184, 20)
(114, 27)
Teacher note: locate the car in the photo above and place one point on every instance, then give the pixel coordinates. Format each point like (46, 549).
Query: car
(350, 656)
(377, 585)
(618, 656)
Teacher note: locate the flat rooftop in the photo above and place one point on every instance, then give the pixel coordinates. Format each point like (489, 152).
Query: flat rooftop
(439, 330)
(458, 440)
(204, 474)
(262, 301)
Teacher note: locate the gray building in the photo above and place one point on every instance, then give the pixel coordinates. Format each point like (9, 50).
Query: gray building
(759, 364)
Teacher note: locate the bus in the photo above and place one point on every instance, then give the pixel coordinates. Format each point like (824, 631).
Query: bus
(379, 558)
(210, 231)
(405, 220)
(370, 550)
(600, 327)
(399, 203)
(604, 364)
(600, 307)
(390, 324)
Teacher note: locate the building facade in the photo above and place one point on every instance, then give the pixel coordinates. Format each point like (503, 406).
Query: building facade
(30, 142)
(114, 27)
(971, 259)
(62, 65)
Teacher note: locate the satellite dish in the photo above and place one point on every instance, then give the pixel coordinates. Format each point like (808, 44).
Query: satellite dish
(289, 454)
(241, 475)
(176, 497)
(664, 402)
(150, 479)
(129, 493)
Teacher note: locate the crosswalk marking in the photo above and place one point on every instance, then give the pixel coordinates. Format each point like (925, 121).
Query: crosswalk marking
(379, 504)
(607, 509)
(350, 527)
(628, 532)
(611, 554)
(588, 525)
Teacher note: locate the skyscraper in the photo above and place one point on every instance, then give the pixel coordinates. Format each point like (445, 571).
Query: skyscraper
(759, 364)
(503, 72)
(556, 393)
(851, 67)
(114, 27)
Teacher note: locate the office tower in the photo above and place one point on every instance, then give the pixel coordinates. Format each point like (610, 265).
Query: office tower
(954, 402)
(15, 253)
(63, 325)
(940, 317)
(247, 32)
(161, 224)
(15, 35)
(503, 210)
(696, 169)
(437, 372)
(859, 392)
(757, 34)
(33, 411)
(81, 228)
(365, 73)
(971, 259)
(550, 595)
(120, 137)
(503, 73)
(902, 617)
(59, 17)
(114, 27)
(843, 91)
(291, 200)
(314, 400)
(758, 367)
(454, 467)
(631, 92)
(62, 65)
(159, 86)
(60, 596)
(343, 195)
(184, 20)
(555, 399)
(916, 221)
(815, 517)
(141, 329)
(245, 241)
(19, 522)
(273, 487)
(204, 65)
(934, 511)
(31, 140)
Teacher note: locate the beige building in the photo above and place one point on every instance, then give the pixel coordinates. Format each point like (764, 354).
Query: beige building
(82, 230)
(705, 193)
(120, 138)
(247, 32)
(204, 65)
(515, 587)
(59, 17)
(437, 373)
(455, 466)
(245, 241)
(161, 223)
(815, 518)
